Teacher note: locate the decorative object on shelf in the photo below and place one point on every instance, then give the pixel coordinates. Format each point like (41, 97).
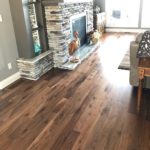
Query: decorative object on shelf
(32, 15)
(75, 43)
(144, 45)
(74, 59)
(37, 49)
(89, 35)
(94, 37)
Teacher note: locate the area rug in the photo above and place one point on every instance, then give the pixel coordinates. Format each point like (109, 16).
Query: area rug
(125, 63)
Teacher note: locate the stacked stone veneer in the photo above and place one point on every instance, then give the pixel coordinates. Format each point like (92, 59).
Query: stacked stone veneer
(58, 27)
(34, 68)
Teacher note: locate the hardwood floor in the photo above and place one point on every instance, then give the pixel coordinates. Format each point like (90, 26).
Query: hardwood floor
(90, 108)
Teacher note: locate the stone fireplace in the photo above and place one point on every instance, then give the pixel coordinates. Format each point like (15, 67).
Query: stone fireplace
(62, 19)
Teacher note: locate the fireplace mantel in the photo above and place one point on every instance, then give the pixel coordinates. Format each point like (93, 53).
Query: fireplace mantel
(46, 2)
(76, 1)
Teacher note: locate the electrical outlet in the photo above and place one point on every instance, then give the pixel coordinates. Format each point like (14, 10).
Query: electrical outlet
(1, 18)
(9, 66)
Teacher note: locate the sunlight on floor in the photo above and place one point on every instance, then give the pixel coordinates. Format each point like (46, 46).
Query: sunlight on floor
(111, 54)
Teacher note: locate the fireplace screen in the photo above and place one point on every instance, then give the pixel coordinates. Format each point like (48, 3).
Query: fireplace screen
(79, 25)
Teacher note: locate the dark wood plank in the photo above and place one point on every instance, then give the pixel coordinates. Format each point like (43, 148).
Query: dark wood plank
(92, 107)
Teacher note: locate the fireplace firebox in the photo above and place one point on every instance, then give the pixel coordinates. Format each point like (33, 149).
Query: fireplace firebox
(78, 23)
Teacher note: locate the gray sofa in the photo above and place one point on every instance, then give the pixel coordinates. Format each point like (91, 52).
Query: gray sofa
(134, 63)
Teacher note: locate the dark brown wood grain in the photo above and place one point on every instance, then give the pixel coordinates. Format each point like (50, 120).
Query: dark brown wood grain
(90, 108)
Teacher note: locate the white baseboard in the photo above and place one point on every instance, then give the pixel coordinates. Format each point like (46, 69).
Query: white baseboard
(9, 80)
(124, 30)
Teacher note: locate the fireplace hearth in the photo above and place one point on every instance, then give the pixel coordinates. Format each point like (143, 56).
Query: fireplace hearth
(82, 53)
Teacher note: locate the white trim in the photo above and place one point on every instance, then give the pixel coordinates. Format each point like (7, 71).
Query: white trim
(9, 80)
(124, 30)
(76, 16)
(77, 1)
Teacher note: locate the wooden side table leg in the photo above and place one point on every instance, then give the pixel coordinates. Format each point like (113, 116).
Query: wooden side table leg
(141, 77)
(139, 95)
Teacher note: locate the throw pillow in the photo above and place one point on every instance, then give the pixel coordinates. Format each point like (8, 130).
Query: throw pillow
(144, 45)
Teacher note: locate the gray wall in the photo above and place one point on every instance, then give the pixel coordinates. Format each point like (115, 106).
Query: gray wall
(22, 28)
(8, 48)
(101, 4)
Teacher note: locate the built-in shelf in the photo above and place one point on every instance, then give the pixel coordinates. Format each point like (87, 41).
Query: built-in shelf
(29, 24)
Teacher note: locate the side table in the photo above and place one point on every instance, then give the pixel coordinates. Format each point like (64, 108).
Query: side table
(143, 71)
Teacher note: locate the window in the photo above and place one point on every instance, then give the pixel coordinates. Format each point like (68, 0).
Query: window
(145, 22)
(122, 14)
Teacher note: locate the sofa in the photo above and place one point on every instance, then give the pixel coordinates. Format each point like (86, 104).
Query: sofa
(134, 81)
